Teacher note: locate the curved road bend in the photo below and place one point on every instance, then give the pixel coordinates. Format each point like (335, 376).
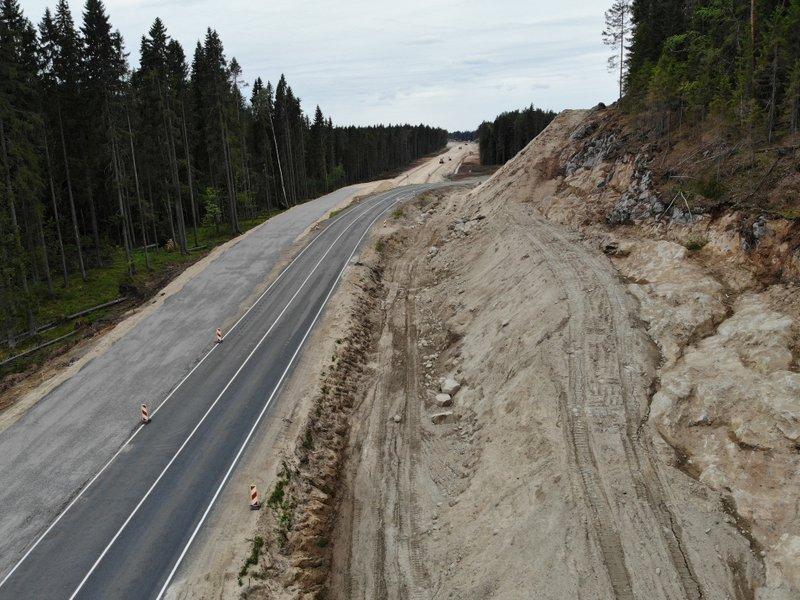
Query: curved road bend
(125, 533)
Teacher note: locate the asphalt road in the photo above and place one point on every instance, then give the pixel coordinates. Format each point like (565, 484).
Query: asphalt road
(54, 446)
(125, 533)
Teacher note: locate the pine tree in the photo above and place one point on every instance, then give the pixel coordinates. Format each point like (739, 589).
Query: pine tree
(616, 35)
(317, 163)
(18, 157)
(104, 67)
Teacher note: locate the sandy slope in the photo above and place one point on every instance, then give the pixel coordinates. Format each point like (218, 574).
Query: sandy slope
(726, 397)
(542, 483)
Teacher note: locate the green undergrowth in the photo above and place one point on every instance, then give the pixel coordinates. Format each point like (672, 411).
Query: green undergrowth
(694, 243)
(105, 284)
(257, 543)
(282, 504)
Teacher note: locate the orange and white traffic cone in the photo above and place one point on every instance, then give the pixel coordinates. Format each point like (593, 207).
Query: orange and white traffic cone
(219, 335)
(255, 503)
(145, 415)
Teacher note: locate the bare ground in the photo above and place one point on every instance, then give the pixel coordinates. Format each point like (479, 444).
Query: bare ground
(543, 482)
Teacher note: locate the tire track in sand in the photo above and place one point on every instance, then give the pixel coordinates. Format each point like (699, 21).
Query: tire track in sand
(602, 410)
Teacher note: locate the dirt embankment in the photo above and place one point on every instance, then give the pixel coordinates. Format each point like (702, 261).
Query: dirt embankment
(570, 388)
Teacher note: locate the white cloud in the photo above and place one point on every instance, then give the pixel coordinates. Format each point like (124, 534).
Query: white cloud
(451, 63)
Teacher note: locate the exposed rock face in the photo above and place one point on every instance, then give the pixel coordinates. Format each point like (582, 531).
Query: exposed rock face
(739, 379)
(708, 291)
(595, 152)
(677, 299)
(733, 405)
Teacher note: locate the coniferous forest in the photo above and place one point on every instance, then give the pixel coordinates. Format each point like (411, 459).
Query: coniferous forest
(732, 60)
(98, 158)
(510, 132)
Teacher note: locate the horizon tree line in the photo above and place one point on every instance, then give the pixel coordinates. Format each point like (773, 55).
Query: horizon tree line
(96, 156)
(510, 132)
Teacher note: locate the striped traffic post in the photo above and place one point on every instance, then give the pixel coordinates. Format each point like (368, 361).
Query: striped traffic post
(145, 415)
(255, 504)
(219, 335)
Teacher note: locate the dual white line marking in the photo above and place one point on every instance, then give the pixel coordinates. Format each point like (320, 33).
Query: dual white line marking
(264, 409)
(175, 389)
(210, 408)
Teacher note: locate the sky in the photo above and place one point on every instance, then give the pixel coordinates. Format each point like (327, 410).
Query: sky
(448, 63)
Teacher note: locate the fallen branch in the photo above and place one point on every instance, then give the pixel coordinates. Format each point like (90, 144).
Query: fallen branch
(53, 324)
(35, 349)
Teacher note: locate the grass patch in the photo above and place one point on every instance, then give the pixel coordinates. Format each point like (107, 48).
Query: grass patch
(695, 243)
(398, 213)
(282, 504)
(380, 245)
(790, 214)
(252, 559)
(308, 439)
(711, 188)
(335, 213)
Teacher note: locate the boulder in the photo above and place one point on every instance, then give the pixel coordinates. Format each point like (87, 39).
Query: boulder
(444, 399)
(450, 386)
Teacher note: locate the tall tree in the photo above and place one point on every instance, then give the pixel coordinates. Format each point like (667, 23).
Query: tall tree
(18, 157)
(616, 35)
(104, 67)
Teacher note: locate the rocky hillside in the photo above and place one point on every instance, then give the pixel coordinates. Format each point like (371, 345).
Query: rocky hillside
(715, 265)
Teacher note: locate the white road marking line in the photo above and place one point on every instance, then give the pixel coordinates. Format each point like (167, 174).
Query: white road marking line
(175, 389)
(208, 411)
(266, 406)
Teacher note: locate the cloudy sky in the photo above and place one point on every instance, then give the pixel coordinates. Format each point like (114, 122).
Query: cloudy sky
(452, 63)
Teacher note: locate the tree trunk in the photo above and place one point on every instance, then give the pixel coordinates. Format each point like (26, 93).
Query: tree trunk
(153, 208)
(278, 158)
(168, 204)
(173, 159)
(773, 96)
(43, 243)
(290, 160)
(55, 209)
(228, 177)
(93, 216)
(15, 227)
(71, 197)
(138, 191)
(118, 184)
(189, 175)
(173, 163)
